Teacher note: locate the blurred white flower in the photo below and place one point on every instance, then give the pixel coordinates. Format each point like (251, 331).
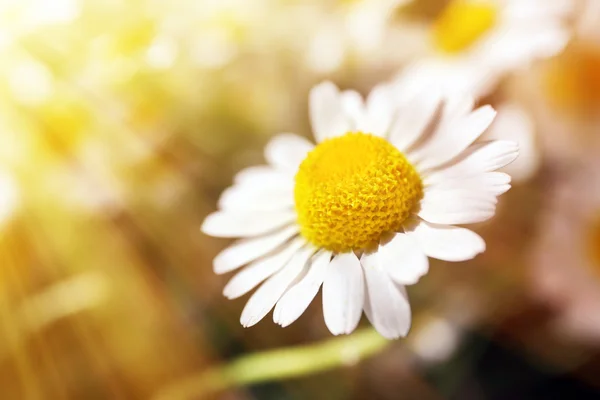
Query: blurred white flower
(564, 93)
(360, 212)
(474, 43)
(437, 340)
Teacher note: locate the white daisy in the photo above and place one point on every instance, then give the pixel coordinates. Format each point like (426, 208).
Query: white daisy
(475, 42)
(360, 212)
(564, 93)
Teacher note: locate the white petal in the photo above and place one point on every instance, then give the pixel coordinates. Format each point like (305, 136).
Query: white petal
(516, 46)
(456, 77)
(514, 123)
(255, 175)
(354, 108)
(247, 250)
(494, 183)
(457, 206)
(449, 243)
(403, 260)
(454, 138)
(287, 151)
(457, 105)
(412, 121)
(343, 294)
(296, 300)
(326, 112)
(534, 9)
(267, 195)
(352, 102)
(248, 278)
(386, 305)
(266, 296)
(379, 110)
(478, 158)
(244, 224)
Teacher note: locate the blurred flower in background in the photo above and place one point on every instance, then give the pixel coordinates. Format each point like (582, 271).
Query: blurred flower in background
(473, 44)
(121, 122)
(562, 93)
(476, 45)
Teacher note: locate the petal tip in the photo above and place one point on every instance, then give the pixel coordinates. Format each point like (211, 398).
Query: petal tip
(207, 226)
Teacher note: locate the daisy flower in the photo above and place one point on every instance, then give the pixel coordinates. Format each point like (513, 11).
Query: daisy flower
(473, 43)
(565, 92)
(360, 212)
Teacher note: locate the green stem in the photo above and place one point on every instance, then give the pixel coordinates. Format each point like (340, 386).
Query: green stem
(279, 364)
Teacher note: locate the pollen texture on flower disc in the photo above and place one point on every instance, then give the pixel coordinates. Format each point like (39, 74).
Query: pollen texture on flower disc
(462, 23)
(352, 189)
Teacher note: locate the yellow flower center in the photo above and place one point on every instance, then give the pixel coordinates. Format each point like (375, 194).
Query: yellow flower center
(462, 23)
(352, 189)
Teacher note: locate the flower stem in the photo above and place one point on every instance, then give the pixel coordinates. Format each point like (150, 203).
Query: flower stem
(279, 364)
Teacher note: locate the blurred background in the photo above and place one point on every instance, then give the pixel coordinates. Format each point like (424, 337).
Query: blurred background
(122, 121)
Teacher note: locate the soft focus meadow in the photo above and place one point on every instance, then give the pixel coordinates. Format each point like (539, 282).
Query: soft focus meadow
(121, 122)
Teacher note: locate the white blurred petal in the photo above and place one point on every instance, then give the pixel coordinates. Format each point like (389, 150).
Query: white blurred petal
(257, 174)
(354, 107)
(326, 112)
(287, 150)
(412, 120)
(379, 110)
